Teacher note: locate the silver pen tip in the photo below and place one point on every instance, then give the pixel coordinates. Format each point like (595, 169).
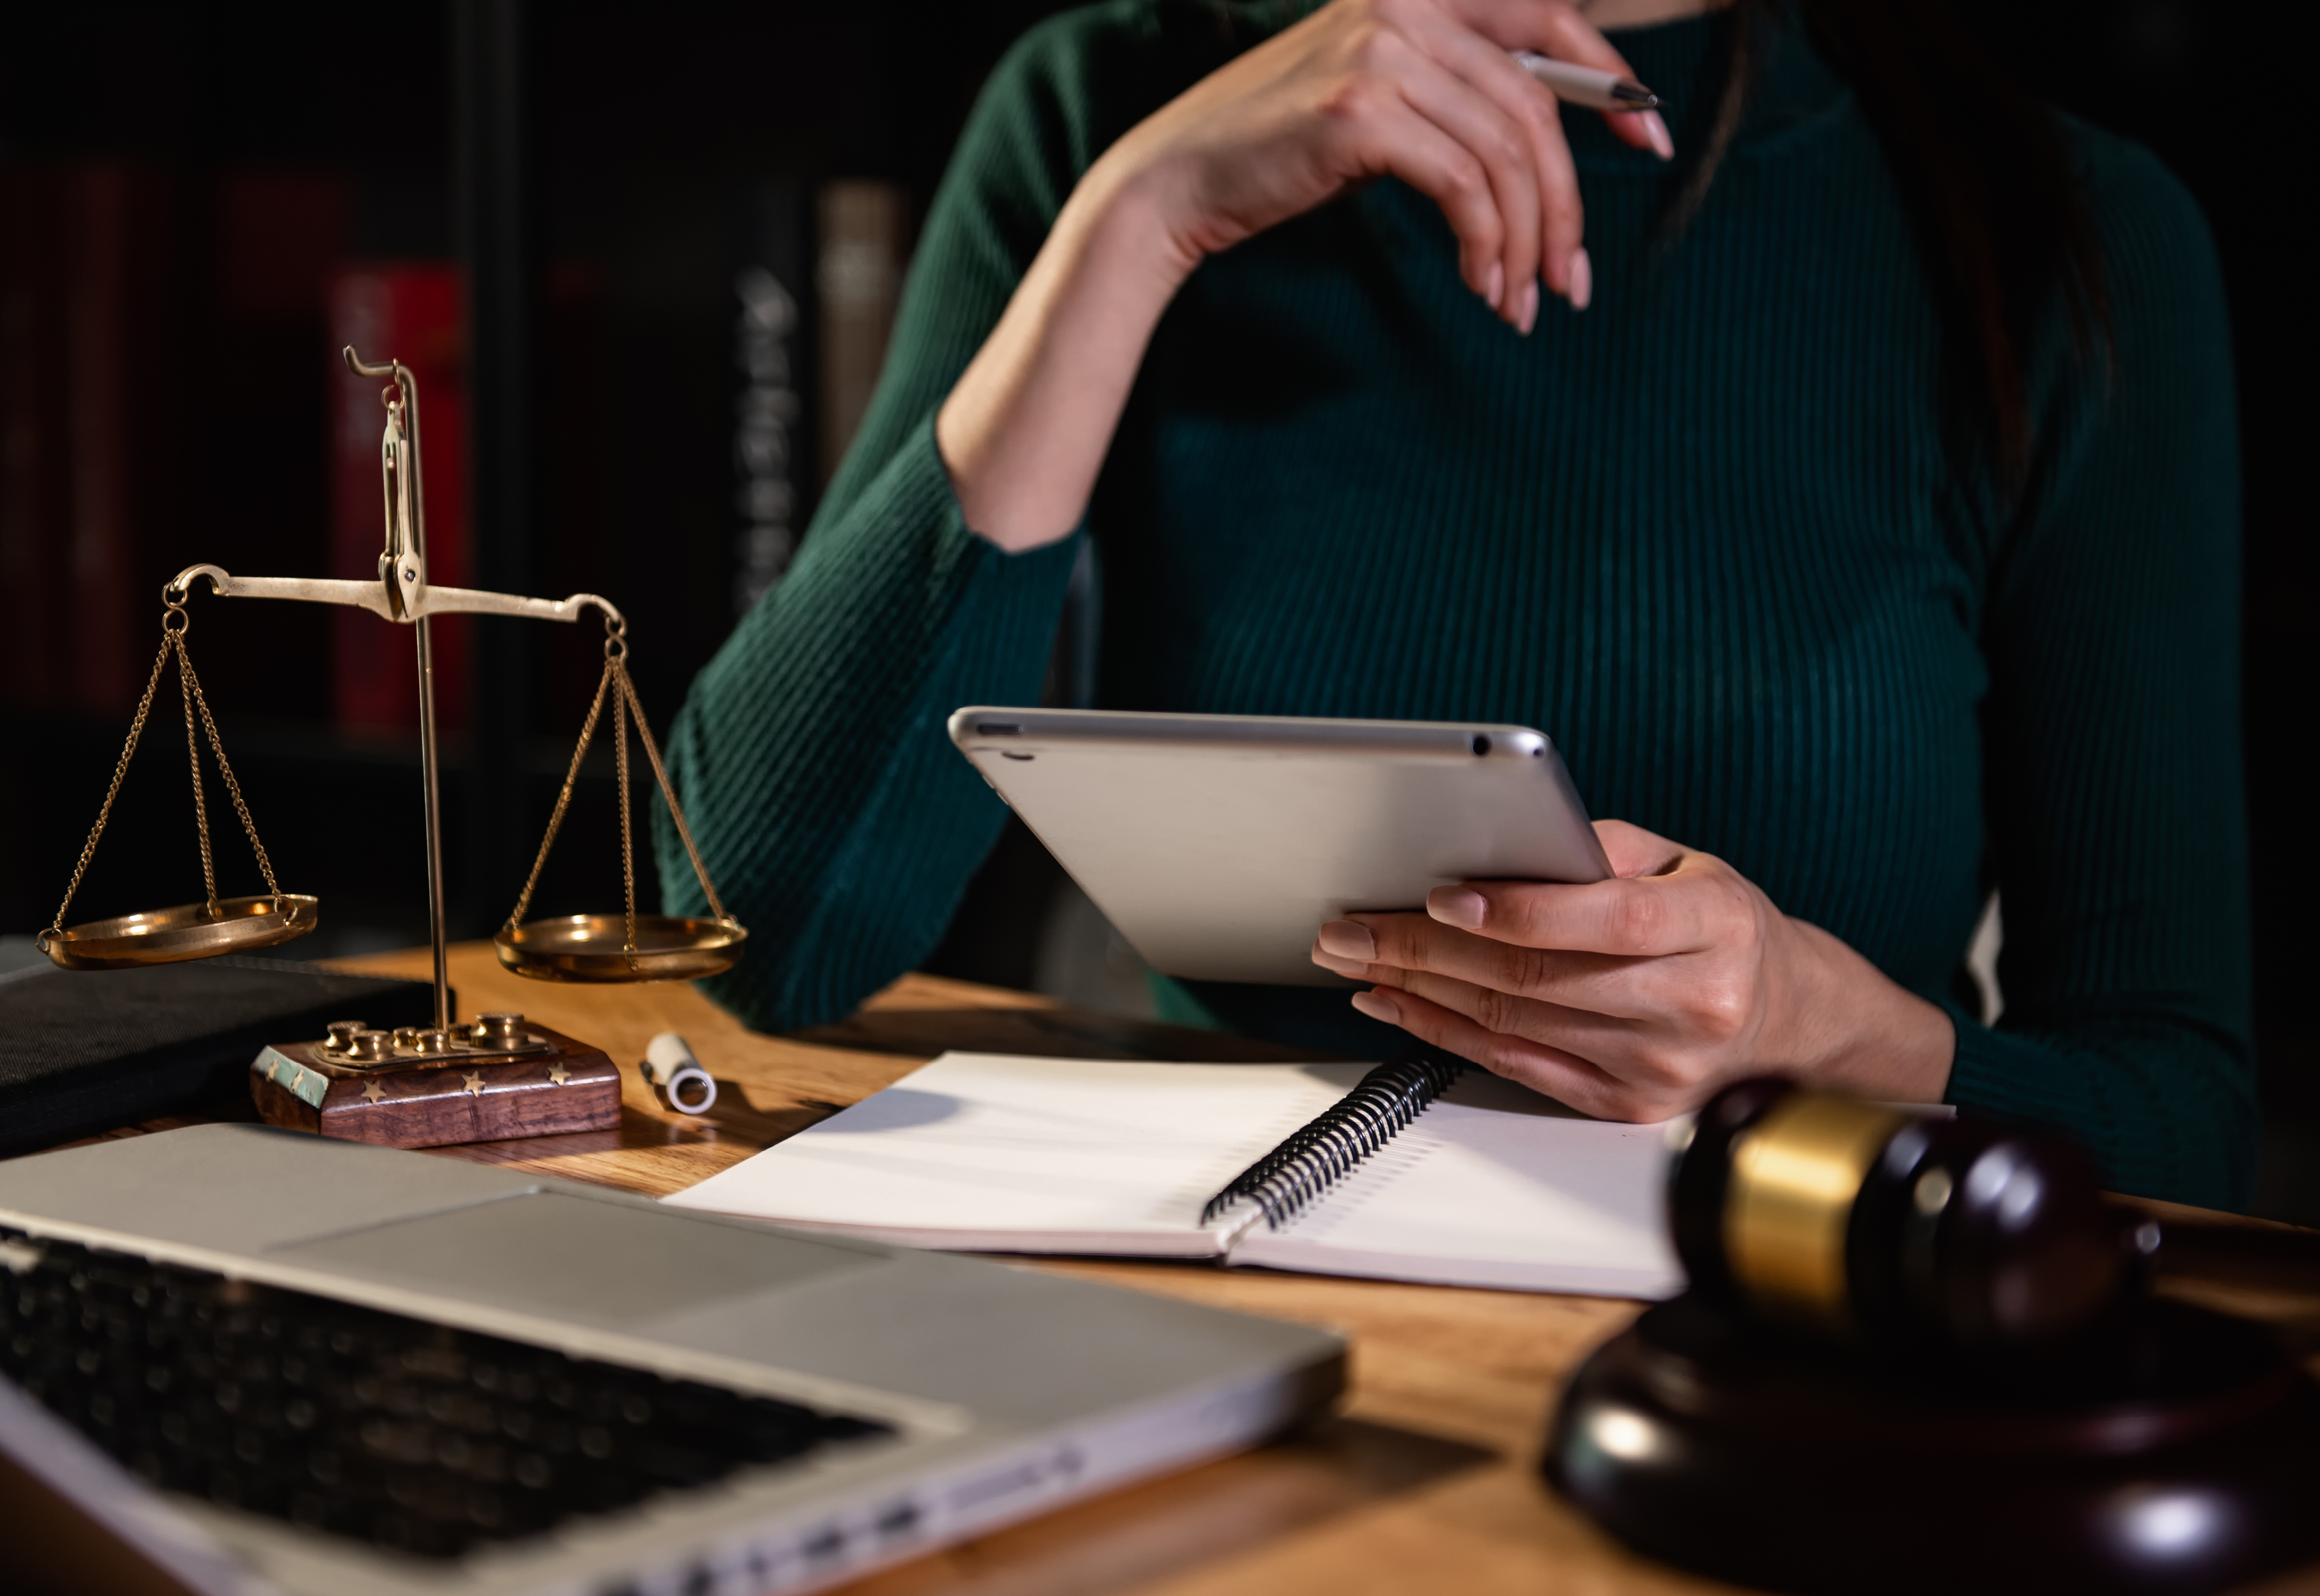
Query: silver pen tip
(1634, 97)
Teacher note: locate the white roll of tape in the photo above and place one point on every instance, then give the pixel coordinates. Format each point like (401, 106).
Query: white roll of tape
(676, 1075)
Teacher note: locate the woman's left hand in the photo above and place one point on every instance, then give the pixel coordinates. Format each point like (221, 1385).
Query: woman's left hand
(1637, 997)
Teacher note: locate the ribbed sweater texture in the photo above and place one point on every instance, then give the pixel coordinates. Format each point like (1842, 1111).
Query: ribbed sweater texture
(1705, 535)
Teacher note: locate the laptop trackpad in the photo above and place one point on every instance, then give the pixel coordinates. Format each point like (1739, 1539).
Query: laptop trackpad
(551, 1253)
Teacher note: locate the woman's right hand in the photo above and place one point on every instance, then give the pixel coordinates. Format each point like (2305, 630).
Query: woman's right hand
(1427, 91)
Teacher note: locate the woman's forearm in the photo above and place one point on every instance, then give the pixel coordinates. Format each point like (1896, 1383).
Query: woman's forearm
(1024, 431)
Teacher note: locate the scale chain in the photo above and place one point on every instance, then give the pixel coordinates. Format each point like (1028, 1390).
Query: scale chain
(189, 689)
(564, 798)
(619, 669)
(668, 795)
(232, 787)
(626, 706)
(194, 763)
(105, 813)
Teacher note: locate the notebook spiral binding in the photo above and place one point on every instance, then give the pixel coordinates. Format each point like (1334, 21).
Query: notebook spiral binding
(1286, 1179)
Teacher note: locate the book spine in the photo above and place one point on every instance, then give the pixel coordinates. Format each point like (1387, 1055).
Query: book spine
(863, 248)
(776, 359)
(1287, 1180)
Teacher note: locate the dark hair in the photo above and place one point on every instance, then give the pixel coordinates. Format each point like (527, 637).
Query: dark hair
(2001, 224)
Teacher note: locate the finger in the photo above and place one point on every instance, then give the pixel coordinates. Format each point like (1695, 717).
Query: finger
(1400, 946)
(1698, 905)
(1507, 150)
(1634, 851)
(1355, 969)
(1563, 1076)
(1630, 850)
(1572, 38)
(1532, 107)
(1624, 1051)
(1387, 135)
(1618, 1045)
(1559, 30)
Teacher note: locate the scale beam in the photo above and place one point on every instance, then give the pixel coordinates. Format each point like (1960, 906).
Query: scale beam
(389, 604)
(402, 594)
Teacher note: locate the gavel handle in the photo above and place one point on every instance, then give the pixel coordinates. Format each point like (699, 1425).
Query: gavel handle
(2269, 1257)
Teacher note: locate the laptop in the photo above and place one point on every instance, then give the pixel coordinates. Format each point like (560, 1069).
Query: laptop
(275, 1362)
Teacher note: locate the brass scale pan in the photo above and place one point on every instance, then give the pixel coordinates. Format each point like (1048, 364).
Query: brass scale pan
(589, 948)
(168, 936)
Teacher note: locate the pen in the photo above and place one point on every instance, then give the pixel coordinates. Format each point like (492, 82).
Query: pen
(1585, 85)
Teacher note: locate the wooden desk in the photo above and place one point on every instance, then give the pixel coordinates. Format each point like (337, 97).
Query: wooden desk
(1425, 1480)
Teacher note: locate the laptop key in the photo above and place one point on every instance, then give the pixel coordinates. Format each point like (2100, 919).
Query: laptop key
(359, 1423)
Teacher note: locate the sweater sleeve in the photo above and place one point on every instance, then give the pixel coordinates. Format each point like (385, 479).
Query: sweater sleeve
(2112, 734)
(838, 821)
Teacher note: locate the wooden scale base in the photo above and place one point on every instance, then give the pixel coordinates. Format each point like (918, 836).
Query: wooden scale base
(496, 1079)
(2177, 1452)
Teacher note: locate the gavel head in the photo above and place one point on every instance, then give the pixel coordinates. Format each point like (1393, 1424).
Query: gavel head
(1861, 1222)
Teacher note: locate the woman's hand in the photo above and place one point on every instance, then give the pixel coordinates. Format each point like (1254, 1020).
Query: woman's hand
(1424, 90)
(1635, 998)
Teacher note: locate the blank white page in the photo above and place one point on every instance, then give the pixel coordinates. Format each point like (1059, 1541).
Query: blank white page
(1495, 1185)
(989, 1152)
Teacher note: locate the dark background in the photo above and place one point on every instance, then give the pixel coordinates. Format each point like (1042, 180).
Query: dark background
(612, 151)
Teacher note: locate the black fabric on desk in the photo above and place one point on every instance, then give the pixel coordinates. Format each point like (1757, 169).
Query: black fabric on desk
(82, 1051)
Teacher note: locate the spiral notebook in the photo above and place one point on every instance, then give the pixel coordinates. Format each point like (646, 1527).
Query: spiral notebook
(1405, 1172)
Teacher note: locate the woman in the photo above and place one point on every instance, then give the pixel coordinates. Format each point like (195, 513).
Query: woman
(1851, 496)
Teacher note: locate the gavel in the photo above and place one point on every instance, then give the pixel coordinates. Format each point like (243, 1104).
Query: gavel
(1920, 1355)
(1871, 1224)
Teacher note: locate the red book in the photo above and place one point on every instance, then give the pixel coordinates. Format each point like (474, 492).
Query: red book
(411, 312)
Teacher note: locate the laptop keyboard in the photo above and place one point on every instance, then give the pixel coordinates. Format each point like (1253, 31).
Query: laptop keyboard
(386, 1429)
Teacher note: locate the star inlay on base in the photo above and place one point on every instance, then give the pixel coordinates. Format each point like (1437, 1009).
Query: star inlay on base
(475, 1079)
(558, 1074)
(373, 1092)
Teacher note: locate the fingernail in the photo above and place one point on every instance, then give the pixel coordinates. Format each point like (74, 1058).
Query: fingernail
(1458, 906)
(1378, 1006)
(1346, 938)
(1583, 279)
(1529, 317)
(1494, 287)
(1657, 133)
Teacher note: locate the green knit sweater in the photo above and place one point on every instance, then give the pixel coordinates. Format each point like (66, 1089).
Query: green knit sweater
(1702, 534)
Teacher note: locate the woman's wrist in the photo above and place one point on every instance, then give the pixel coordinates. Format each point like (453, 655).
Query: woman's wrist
(1131, 207)
(1859, 1031)
(1024, 432)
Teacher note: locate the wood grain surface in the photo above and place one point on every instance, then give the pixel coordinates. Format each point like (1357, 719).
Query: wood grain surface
(1425, 1480)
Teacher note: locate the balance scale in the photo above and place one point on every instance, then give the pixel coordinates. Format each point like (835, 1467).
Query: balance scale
(494, 1077)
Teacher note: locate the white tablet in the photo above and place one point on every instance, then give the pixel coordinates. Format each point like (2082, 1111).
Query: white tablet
(1218, 844)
